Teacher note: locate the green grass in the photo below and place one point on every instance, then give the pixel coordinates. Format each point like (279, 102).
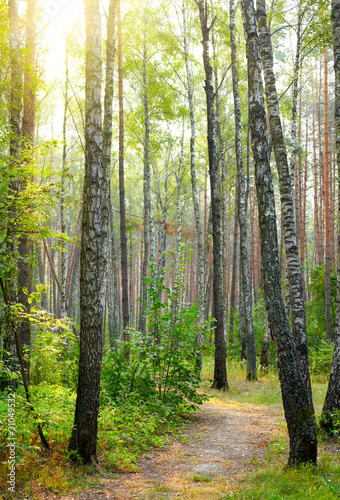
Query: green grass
(126, 432)
(306, 483)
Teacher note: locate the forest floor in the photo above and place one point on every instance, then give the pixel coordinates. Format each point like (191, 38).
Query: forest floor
(214, 455)
(224, 441)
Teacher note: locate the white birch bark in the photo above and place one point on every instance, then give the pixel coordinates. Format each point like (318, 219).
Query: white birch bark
(292, 255)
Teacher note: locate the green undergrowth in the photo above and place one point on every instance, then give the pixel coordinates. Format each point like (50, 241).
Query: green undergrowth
(124, 432)
(309, 482)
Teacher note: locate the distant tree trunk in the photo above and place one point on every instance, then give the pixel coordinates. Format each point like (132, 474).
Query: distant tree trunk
(113, 295)
(295, 94)
(123, 243)
(241, 320)
(233, 274)
(84, 432)
(220, 370)
(316, 205)
(287, 211)
(62, 193)
(242, 211)
(300, 420)
(327, 208)
(332, 401)
(162, 226)
(107, 218)
(28, 129)
(178, 176)
(264, 360)
(198, 222)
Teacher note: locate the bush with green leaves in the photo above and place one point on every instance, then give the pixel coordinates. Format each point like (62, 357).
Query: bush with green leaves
(162, 365)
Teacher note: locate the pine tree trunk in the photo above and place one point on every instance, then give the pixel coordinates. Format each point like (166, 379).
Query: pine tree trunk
(300, 420)
(332, 401)
(286, 192)
(327, 213)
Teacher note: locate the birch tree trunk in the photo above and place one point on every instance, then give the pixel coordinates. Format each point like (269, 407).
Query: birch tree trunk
(62, 193)
(123, 242)
(113, 305)
(300, 420)
(332, 401)
(198, 222)
(107, 219)
(264, 360)
(292, 255)
(242, 212)
(220, 369)
(295, 93)
(84, 432)
(233, 274)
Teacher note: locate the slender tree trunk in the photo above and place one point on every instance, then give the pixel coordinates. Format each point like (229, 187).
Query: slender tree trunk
(220, 370)
(286, 192)
(123, 243)
(233, 274)
(242, 212)
(332, 401)
(85, 428)
(295, 94)
(62, 192)
(300, 420)
(264, 360)
(327, 212)
(28, 130)
(198, 222)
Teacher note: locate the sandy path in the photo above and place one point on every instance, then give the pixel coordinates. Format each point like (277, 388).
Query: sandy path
(222, 444)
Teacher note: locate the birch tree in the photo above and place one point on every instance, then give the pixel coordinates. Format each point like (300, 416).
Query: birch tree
(242, 212)
(220, 369)
(293, 269)
(300, 419)
(85, 428)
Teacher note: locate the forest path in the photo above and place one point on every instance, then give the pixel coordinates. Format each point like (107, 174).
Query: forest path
(225, 441)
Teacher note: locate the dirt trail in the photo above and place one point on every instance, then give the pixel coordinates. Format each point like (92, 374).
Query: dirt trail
(222, 444)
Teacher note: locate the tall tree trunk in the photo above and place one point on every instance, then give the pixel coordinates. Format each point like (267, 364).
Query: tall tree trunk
(242, 211)
(85, 428)
(15, 110)
(300, 420)
(332, 401)
(220, 369)
(327, 212)
(233, 274)
(107, 218)
(295, 94)
(198, 222)
(123, 243)
(28, 129)
(62, 192)
(264, 360)
(286, 192)
(113, 306)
